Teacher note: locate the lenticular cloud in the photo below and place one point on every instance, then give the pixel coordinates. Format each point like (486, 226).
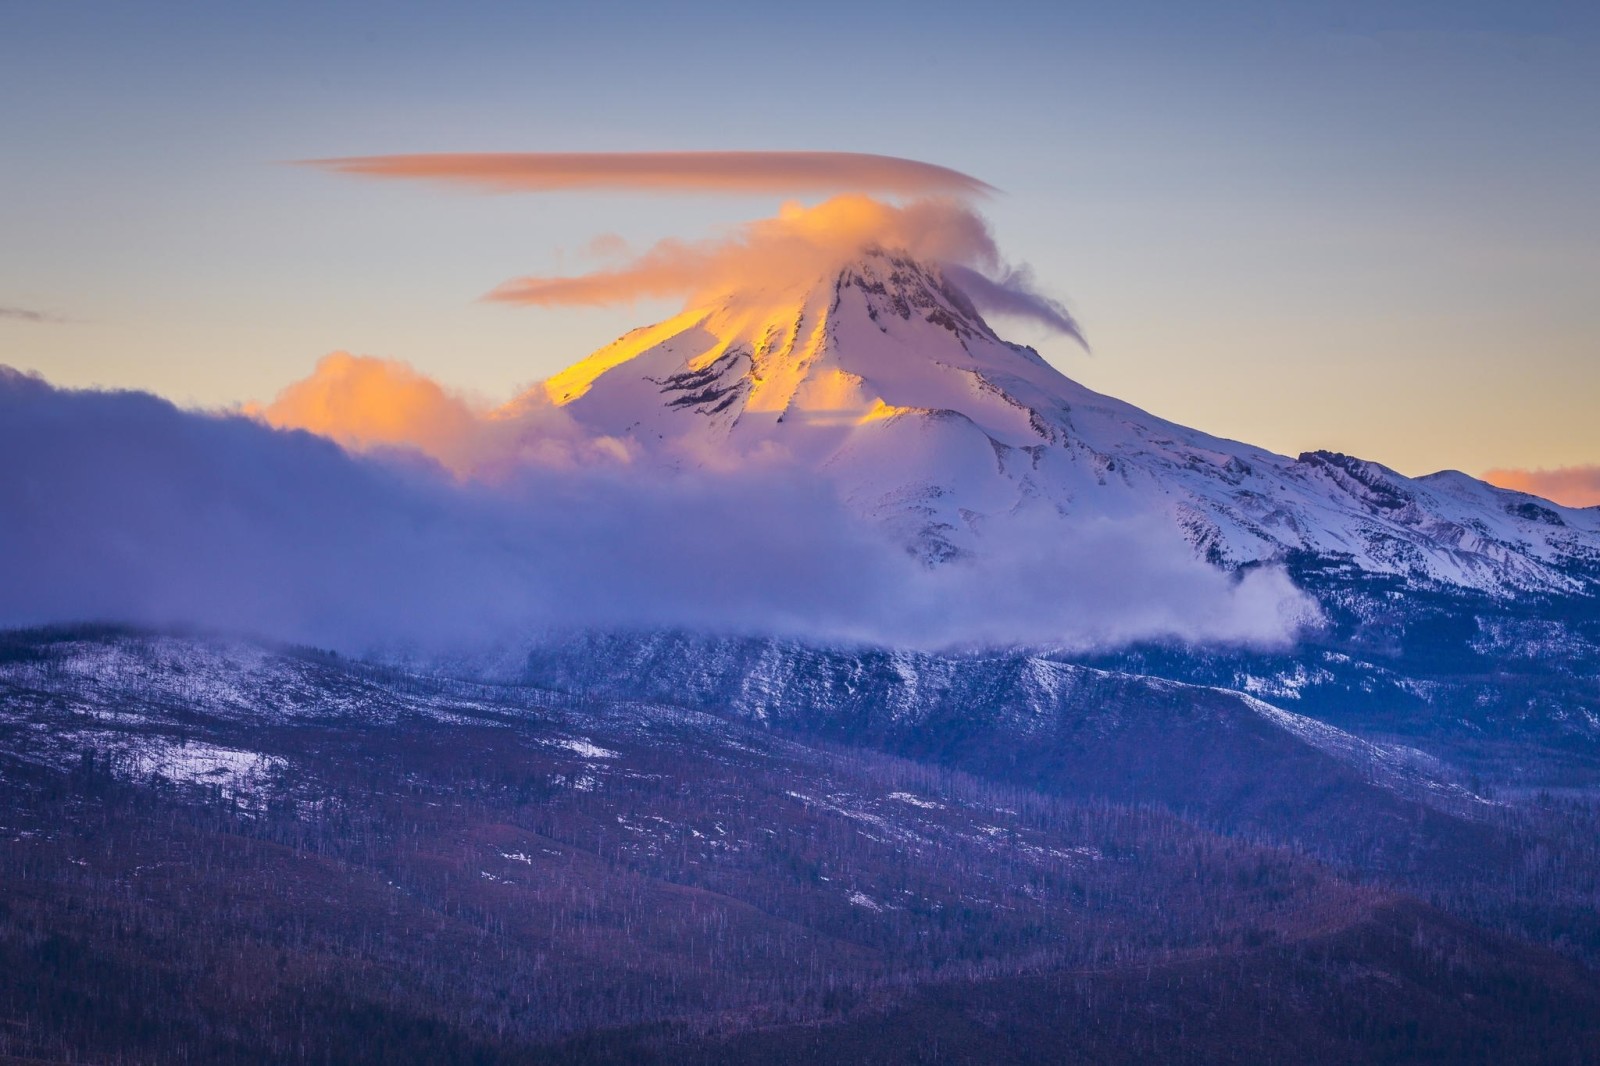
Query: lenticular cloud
(801, 243)
(779, 173)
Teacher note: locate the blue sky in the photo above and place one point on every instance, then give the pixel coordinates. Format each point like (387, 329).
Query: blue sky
(1363, 227)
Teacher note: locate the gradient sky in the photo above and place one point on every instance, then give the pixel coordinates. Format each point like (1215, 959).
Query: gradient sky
(1372, 228)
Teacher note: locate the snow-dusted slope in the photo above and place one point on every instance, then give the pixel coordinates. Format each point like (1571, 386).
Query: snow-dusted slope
(1013, 707)
(887, 379)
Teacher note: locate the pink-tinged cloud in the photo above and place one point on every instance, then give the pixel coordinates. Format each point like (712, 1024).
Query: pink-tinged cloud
(770, 173)
(1573, 486)
(801, 246)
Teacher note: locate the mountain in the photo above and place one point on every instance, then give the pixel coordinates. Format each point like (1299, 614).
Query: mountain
(1454, 614)
(885, 377)
(1378, 842)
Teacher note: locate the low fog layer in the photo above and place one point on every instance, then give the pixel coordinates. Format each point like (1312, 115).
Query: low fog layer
(118, 506)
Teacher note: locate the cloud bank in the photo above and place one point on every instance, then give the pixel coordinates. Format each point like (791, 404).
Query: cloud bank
(1574, 486)
(121, 507)
(780, 173)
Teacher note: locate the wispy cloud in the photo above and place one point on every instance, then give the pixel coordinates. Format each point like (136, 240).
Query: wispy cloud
(1574, 486)
(778, 173)
(1013, 293)
(796, 247)
(28, 314)
(800, 246)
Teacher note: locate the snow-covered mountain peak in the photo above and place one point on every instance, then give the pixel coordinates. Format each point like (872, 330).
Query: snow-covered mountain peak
(804, 367)
(895, 285)
(883, 377)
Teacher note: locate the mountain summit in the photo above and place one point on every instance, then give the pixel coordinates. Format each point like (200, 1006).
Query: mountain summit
(884, 337)
(886, 378)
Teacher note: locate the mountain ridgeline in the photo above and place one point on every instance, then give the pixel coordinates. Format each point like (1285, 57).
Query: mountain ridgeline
(1446, 608)
(886, 378)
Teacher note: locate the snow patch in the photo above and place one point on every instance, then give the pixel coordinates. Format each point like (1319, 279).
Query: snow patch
(199, 763)
(916, 801)
(861, 899)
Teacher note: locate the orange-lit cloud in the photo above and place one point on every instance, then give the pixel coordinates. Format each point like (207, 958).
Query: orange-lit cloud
(776, 173)
(1574, 486)
(798, 246)
(365, 403)
(801, 246)
(368, 404)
